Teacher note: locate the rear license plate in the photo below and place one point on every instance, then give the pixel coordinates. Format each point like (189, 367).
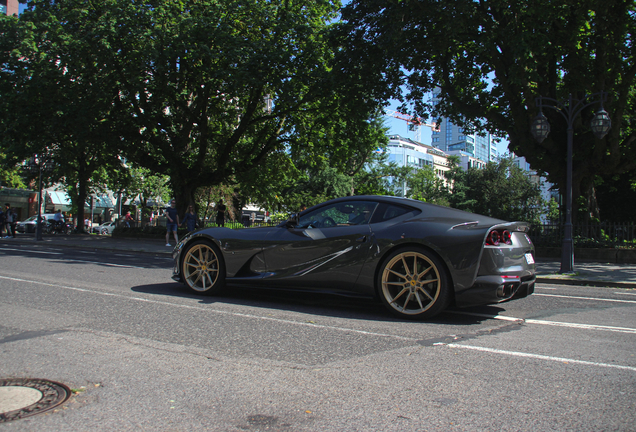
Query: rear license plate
(529, 258)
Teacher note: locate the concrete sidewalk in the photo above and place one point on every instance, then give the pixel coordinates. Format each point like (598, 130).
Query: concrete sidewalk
(585, 273)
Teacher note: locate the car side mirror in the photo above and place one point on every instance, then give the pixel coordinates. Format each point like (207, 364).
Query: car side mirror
(292, 221)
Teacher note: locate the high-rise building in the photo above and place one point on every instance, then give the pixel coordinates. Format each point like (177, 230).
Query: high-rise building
(452, 138)
(9, 7)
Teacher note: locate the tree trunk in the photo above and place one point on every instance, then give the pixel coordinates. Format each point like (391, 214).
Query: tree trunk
(584, 204)
(82, 186)
(183, 192)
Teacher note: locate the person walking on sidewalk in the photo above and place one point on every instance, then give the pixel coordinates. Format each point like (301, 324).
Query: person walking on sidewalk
(128, 220)
(190, 219)
(220, 213)
(172, 223)
(10, 220)
(2, 222)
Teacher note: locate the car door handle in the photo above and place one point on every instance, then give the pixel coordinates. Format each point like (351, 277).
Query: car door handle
(362, 239)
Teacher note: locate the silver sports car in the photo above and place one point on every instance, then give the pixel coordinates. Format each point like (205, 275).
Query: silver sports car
(417, 258)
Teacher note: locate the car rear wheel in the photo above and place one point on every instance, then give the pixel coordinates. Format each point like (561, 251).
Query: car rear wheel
(104, 231)
(413, 283)
(202, 268)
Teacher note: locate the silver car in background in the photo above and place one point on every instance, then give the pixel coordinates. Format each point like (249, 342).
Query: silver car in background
(105, 228)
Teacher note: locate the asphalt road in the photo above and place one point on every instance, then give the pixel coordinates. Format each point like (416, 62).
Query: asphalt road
(143, 354)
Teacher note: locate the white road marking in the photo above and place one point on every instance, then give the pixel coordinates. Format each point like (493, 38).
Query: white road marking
(582, 326)
(585, 298)
(541, 357)
(33, 251)
(104, 263)
(550, 323)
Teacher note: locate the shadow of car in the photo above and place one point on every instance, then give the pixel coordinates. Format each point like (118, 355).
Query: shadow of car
(105, 228)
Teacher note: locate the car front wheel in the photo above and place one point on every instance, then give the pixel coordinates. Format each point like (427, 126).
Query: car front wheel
(413, 283)
(202, 268)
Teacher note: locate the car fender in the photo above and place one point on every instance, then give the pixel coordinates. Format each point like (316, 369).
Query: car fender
(241, 249)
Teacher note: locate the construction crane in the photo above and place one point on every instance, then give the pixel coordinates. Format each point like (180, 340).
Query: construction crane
(414, 123)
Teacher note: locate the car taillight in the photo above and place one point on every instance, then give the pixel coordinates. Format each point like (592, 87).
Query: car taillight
(498, 236)
(506, 237)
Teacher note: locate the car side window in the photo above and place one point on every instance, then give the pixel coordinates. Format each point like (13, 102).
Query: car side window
(344, 213)
(387, 212)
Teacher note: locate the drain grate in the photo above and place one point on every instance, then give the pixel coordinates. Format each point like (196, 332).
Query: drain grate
(25, 397)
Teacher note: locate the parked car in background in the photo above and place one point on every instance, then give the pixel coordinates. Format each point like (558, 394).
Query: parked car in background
(29, 225)
(105, 228)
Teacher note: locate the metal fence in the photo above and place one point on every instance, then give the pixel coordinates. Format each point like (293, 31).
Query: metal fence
(238, 225)
(603, 234)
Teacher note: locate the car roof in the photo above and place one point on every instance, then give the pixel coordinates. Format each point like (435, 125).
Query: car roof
(426, 208)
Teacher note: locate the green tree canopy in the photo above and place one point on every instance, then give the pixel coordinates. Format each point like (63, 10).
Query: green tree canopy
(505, 191)
(492, 59)
(424, 185)
(202, 91)
(55, 98)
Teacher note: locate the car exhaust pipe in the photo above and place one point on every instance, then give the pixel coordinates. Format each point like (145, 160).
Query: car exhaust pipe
(507, 290)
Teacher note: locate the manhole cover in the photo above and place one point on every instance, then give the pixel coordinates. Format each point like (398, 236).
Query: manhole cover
(24, 397)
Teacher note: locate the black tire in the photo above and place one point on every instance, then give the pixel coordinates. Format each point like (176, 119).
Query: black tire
(104, 231)
(203, 268)
(413, 283)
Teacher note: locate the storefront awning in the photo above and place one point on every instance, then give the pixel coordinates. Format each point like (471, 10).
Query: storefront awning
(59, 198)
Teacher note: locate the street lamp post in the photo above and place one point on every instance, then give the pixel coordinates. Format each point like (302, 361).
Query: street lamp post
(37, 164)
(600, 125)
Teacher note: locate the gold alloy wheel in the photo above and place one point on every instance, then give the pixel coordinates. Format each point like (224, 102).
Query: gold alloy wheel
(201, 267)
(411, 283)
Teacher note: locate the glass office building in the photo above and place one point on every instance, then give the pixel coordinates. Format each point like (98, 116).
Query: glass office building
(452, 138)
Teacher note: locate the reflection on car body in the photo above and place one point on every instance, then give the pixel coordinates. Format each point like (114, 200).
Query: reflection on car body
(417, 258)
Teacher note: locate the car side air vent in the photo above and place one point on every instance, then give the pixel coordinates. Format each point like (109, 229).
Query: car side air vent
(465, 225)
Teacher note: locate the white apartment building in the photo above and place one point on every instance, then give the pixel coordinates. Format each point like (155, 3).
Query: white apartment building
(467, 160)
(407, 152)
